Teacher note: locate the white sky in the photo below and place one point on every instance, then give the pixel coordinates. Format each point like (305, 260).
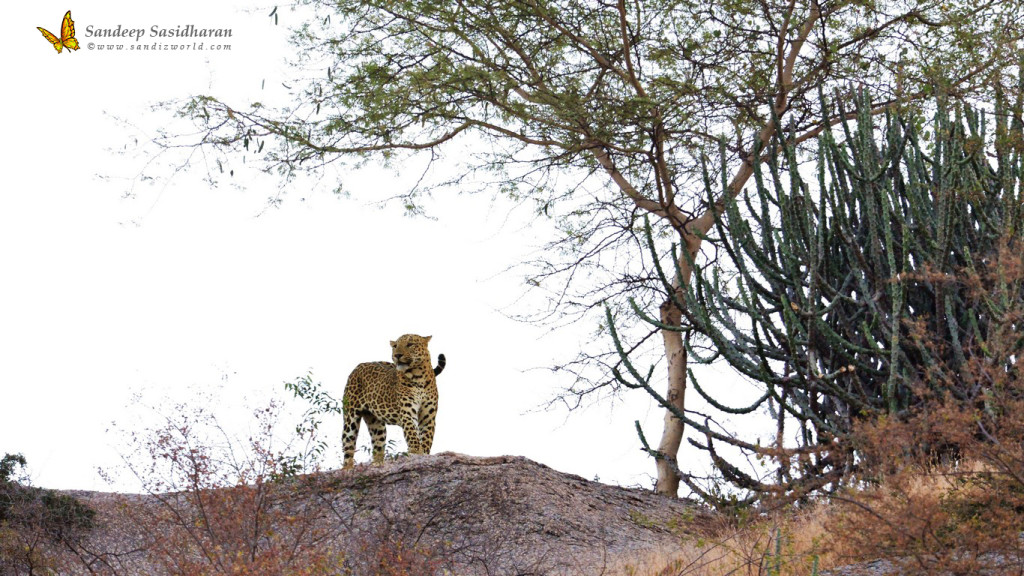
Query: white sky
(184, 288)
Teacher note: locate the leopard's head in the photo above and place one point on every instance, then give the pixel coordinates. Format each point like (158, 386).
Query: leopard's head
(408, 350)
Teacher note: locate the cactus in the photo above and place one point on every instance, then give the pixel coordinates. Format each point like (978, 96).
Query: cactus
(838, 277)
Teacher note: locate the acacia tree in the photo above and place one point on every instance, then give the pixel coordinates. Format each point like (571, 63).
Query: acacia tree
(620, 95)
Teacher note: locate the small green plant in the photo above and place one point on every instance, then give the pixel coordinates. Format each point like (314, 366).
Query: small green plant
(641, 519)
(321, 404)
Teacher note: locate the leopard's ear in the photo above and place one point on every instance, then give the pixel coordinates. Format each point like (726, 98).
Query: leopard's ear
(393, 344)
(427, 338)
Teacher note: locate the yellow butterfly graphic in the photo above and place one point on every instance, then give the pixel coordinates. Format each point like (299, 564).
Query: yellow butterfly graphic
(67, 35)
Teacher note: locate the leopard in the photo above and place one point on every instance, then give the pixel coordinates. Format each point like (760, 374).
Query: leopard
(400, 393)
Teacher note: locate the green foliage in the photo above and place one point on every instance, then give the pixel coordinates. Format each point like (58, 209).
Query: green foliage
(8, 464)
(65, 516)
(59, 515)
(36, 523)
(545, 85)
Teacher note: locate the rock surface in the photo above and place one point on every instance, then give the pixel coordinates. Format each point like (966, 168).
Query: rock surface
(511, 514)
(497, 515)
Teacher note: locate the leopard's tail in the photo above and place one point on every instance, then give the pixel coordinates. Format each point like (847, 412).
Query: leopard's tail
(440, 364)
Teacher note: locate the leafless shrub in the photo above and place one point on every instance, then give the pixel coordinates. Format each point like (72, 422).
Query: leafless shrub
(943, 487)
(225, 506)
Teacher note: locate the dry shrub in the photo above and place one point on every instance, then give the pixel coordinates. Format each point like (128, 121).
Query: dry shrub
(217, 505)
(942, 485)
(386, 552)
(932, 511)
(234, 530)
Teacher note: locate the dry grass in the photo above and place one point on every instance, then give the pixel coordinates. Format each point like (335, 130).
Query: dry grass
(790, 543)
(891, 520)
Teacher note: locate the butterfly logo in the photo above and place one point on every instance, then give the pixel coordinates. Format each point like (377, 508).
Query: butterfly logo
(67, 35)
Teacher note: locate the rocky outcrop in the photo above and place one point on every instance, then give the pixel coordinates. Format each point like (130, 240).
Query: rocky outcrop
(466, 515)
(509, 514)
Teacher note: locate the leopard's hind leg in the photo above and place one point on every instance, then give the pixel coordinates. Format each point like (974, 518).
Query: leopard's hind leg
(378, 436)
(349, 435)
(427, 416)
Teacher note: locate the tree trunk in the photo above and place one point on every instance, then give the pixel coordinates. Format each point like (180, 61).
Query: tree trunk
(675, 354)
(692, 232)
(672, 436)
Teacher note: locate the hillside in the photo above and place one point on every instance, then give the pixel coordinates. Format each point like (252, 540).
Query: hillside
(468, 515)
(448, 514)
